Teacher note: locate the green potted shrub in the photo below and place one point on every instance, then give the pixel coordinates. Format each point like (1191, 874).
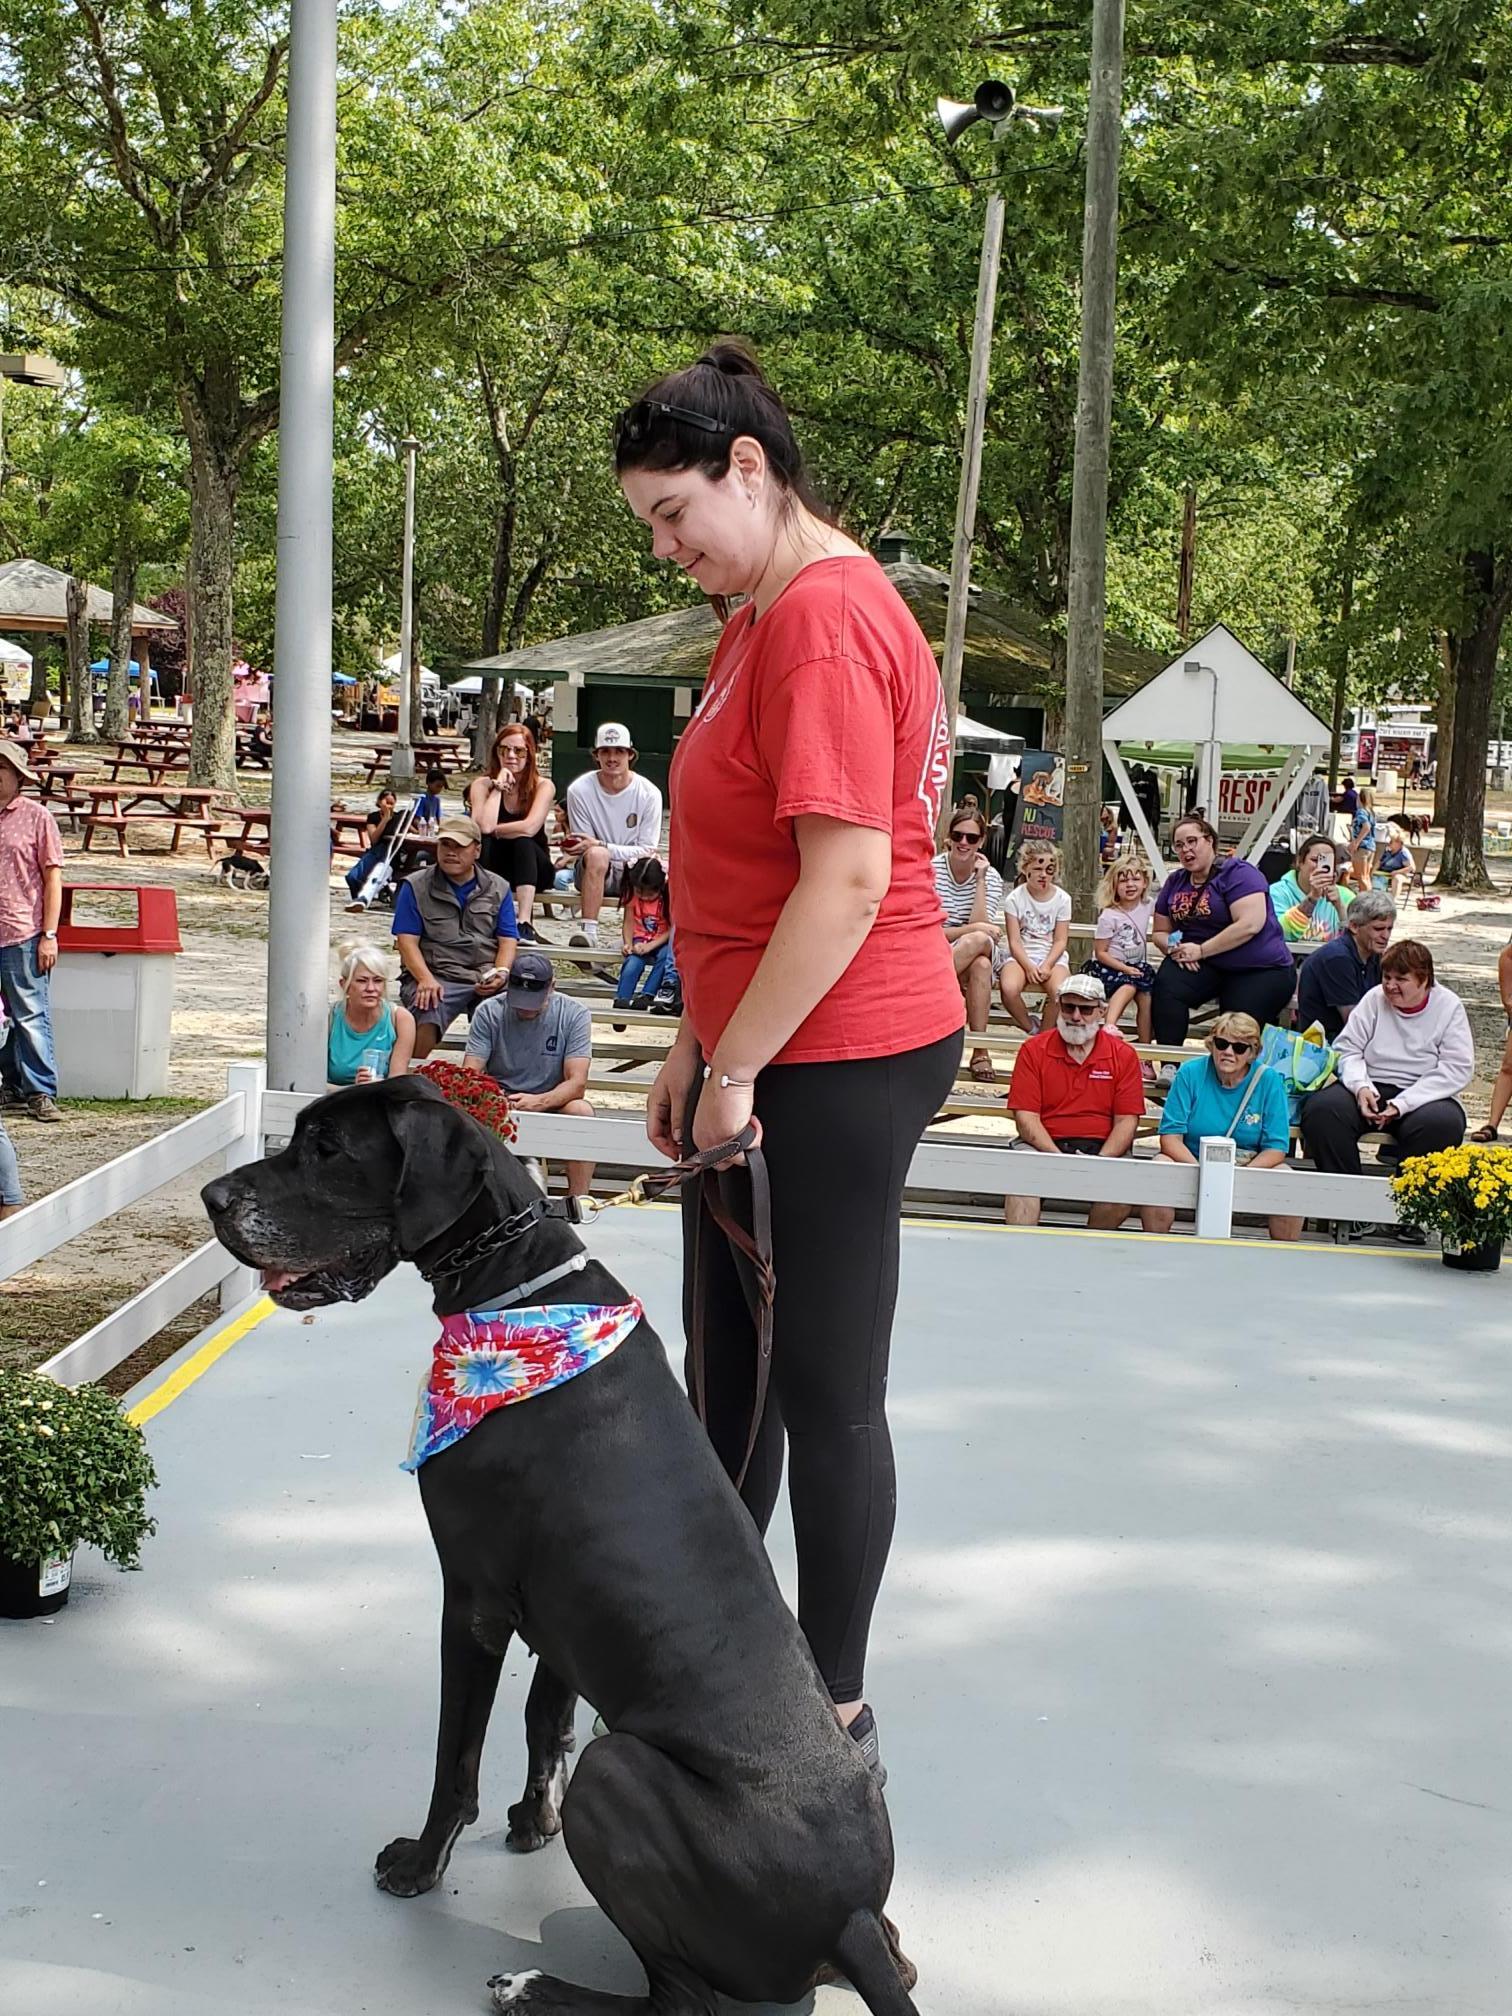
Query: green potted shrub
(73, 1471)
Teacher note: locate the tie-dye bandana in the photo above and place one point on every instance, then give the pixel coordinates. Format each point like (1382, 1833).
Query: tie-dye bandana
(487, 1358)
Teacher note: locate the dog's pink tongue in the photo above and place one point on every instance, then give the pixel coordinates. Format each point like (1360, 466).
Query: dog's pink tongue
(274, 1278)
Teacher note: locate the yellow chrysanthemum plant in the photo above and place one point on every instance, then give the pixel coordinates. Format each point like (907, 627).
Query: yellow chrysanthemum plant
(1464, 1194)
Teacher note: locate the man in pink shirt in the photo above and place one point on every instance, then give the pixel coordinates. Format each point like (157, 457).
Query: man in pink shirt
(31, 899)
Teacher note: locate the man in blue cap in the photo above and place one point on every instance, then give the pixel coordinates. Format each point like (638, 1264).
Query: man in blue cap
(538, 1044)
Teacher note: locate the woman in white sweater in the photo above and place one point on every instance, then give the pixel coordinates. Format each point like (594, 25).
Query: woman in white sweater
(1405, 1055)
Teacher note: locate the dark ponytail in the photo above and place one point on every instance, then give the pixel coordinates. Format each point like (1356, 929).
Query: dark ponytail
(726, 386)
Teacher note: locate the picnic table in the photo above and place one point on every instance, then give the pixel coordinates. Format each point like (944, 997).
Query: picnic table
(144, 805)
(452, 757)
(142, 756)
(356, 823)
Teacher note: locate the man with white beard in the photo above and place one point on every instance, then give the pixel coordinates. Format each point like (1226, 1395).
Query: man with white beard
(1077, 1090)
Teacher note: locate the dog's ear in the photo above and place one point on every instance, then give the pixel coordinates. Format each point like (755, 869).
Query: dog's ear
(444, 1166)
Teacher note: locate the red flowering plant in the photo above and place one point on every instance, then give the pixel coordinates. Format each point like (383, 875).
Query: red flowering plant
(474, 1093)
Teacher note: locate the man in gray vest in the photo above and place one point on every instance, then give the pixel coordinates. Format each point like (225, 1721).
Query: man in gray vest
(456, 931)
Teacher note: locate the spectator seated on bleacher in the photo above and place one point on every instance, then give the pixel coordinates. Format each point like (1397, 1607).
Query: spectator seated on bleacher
(971, 897)
(647, 909)
(455, 927)
(1230, 1091)
(512, 804)
(613, 818)
(1120, 942)
(1405, 1055)
(367, 1036)
(1037, 916)
(1343, 972)
(1310, 901)
(1077, 1090)
(1214, 922)
(538, 1044)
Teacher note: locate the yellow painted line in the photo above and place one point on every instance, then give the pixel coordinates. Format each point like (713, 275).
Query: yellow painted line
(215, 1346)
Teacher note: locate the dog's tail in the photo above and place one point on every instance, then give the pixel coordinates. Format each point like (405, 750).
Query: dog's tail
(874, 1966)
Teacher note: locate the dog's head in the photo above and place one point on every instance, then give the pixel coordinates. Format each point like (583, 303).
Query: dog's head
(373, 1175)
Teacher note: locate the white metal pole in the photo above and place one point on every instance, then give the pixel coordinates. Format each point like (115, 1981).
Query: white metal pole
(299, 926)
(402, 766)
(971, 475)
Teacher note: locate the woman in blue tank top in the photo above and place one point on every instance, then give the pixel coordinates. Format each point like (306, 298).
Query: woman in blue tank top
(368, 1036)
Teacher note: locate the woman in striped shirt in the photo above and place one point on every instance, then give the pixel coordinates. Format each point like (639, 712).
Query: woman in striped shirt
(971, 895)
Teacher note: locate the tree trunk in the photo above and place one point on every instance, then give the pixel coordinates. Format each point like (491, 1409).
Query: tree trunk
(117, 721)
(38, 675)
(213, 486)
(1341, 679)
(1463, 864)
(1444, 744)
(81, 726)
(1186, 571)
(493, 616)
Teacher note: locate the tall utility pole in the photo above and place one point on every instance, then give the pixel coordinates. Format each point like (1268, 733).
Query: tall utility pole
(402, 765)
(971, 476)
(299, 922)
(1086, 600)
(995, 103)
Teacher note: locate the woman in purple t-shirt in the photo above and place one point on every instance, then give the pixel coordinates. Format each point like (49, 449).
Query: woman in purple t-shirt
(1230, 947)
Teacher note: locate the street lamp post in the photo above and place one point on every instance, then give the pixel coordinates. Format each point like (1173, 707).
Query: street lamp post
(995, 103)
(402, 767)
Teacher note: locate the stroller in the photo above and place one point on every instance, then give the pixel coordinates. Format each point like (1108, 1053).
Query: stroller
(380, 877)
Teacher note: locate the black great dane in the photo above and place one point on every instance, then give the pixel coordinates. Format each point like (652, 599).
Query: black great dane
(727, 1825)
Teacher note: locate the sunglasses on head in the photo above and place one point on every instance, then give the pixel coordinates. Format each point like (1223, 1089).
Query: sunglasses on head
(638, 422)
(1233, 1045)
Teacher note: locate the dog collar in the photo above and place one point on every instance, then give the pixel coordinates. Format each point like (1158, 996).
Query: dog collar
(488, 1358)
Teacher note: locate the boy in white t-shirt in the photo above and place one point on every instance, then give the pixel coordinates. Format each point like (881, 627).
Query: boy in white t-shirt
(613, 818)
(1038, 917)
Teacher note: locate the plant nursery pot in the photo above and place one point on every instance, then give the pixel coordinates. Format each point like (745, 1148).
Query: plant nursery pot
(1472, 1259)
(34, 1588)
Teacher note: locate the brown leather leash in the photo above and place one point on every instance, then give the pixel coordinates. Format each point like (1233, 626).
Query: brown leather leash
(754, 1246)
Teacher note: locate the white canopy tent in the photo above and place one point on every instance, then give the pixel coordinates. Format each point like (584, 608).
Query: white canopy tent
(1215, 693)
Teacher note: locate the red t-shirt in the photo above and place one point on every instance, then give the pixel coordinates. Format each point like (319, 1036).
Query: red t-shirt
(1077, 1102)
(829, 703)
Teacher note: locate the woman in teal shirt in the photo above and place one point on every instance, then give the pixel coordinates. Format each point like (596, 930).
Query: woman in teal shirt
(368, 1036)
(1228, 1092)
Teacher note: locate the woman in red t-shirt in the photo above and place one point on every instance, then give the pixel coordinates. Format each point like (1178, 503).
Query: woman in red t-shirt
(819, 987)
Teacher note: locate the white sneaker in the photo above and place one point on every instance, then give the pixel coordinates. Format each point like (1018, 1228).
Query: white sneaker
(580, 937)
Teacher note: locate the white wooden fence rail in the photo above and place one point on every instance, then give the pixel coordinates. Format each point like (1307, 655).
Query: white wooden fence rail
(947, 1163)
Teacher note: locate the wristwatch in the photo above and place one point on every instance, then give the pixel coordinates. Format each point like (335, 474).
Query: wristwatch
(48, 934)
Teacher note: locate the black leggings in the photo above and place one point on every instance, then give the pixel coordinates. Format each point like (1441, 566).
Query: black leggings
(838, 1141)
(524, 860)
(1262, 991)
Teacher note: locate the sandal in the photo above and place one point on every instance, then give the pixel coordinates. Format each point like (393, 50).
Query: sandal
(1485, 1134)
(982, 1069)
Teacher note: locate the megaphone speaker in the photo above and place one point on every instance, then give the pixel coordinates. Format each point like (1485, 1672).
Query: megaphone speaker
(955, 117)
(993, 100)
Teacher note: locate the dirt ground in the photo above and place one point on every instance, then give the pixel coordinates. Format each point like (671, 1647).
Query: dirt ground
(220, 996)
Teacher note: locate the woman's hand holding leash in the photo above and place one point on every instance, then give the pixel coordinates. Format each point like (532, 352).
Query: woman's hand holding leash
(668, 1099)
(724, 1111)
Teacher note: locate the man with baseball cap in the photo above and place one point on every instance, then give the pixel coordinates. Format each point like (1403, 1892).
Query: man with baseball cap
(455, 927)
(538, 1044)
(1076, 1090)
(613, 818)
(31, 901)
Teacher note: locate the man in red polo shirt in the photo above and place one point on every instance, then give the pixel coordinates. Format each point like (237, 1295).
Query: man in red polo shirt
(1077, 1090)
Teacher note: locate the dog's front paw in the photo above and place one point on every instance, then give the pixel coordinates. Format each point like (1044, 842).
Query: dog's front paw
(407, 1868)
(532, 1824)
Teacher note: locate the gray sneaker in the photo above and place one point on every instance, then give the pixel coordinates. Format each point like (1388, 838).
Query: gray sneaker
(40, 1107)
